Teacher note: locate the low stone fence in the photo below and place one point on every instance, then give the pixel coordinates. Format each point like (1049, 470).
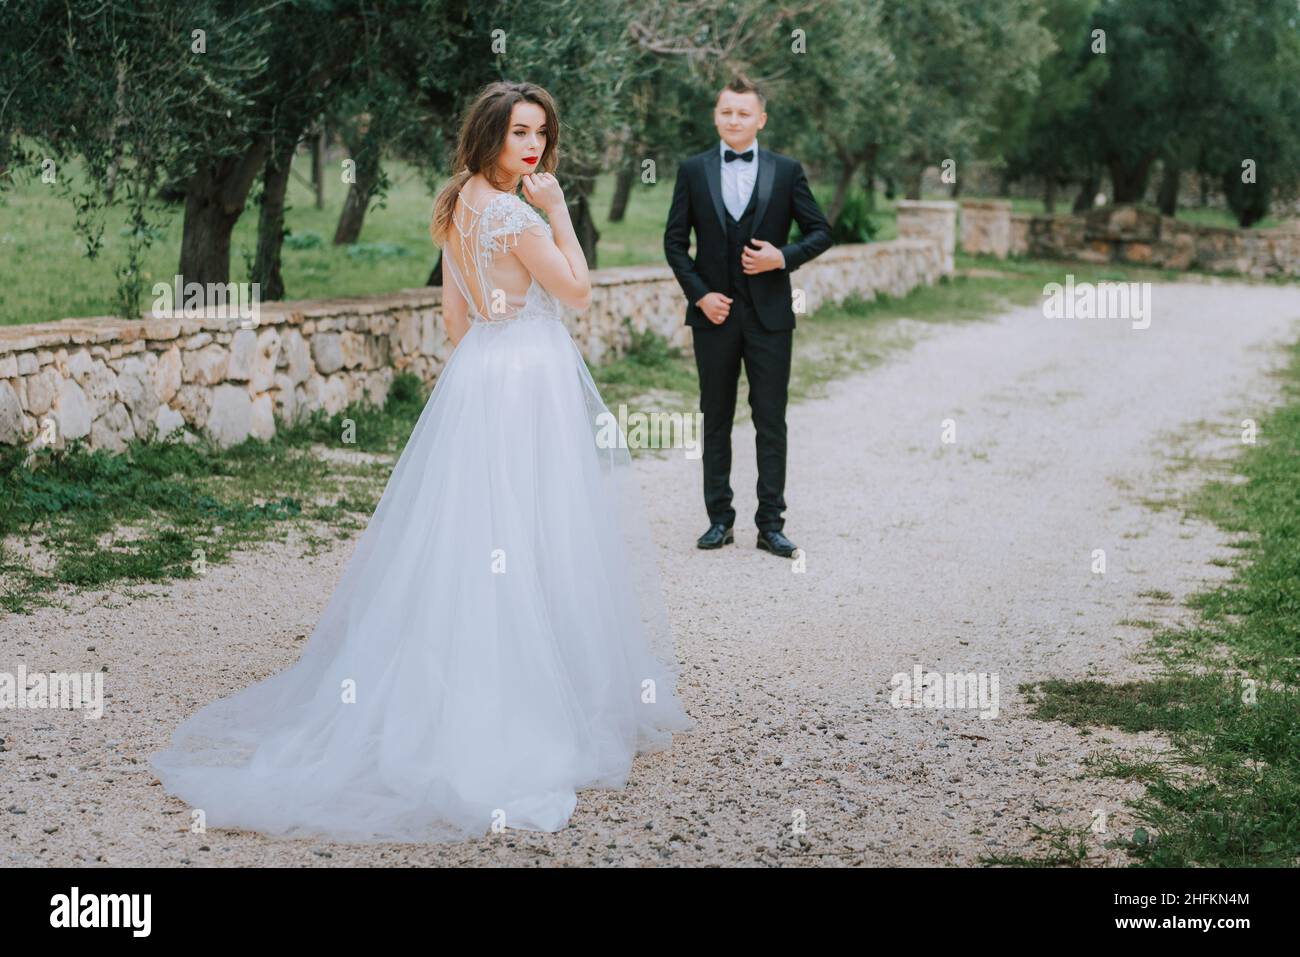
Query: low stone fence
(929, 219)
(986, 227)
(108, 380)
(1129, 234)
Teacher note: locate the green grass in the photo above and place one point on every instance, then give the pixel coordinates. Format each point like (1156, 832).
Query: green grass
(1236, 803)
(1066, 847)
(166, 509)
(649, 366)
(1208, 216)
(1223, 218)
(45, 275)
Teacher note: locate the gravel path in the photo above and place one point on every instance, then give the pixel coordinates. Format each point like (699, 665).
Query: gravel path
(974, 556)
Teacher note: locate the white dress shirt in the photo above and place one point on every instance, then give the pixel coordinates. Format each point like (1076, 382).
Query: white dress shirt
(738, 178)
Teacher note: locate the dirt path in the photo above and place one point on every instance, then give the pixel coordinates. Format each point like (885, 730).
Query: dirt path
(975, 556)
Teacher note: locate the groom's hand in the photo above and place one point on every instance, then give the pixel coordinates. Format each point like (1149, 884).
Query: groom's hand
(715, 306)
(764, 258)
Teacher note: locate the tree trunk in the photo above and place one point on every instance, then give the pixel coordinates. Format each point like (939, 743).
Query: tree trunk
(577, 191)
(1087, 193)
(435, 277)
(353, 217)
(584, 224)
(623, 181)
(848, 169)
(270, 224)
(915, 179)
(1248, 202)
(1168, 199)
(869, 175)
(214, 201)
(120, 119)
(318, 165)
(1130, 182)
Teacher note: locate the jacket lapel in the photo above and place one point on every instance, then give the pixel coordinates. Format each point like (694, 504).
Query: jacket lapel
(762, 186)
(713, 173)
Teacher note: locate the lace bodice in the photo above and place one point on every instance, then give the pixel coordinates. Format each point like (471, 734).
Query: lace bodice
(479, 247)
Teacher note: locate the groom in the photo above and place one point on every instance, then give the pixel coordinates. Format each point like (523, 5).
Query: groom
(740, 200)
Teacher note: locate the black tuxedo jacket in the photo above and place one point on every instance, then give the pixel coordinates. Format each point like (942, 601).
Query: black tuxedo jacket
(782, 196)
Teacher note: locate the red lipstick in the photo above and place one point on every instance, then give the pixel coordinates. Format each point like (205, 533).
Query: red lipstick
(530, 160)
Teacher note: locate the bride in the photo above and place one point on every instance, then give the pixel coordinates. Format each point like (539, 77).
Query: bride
(498, 638)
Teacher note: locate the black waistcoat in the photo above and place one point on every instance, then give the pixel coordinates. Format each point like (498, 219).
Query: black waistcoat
(738, 232)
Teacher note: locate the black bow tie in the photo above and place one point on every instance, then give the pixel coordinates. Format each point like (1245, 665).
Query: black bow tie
(730, 155)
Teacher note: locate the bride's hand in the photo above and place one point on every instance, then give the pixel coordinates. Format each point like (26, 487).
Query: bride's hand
(543, 191)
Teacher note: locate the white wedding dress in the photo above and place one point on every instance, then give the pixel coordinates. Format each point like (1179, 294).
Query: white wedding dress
(498, 638)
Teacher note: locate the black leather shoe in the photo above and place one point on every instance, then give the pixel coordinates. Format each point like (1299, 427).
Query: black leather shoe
(717, 536)
(771, 540)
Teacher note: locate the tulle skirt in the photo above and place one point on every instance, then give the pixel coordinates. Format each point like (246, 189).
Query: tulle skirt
(497, 640)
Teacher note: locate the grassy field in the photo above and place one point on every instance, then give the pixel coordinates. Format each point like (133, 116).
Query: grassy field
(45, 275)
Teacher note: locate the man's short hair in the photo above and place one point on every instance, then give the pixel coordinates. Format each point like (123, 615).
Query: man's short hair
(742, 84)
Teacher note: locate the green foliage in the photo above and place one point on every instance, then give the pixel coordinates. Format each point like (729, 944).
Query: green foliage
(303, 241)
(854, 224)
(118, 88)
(1199, 84)
(955, 62)
(372, 251)
(1035, 135)
(165, 509)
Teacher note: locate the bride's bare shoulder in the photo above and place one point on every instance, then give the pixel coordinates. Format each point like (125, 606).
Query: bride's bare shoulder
(479, 199)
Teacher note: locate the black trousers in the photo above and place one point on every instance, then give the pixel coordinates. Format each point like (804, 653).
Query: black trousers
(719, 352)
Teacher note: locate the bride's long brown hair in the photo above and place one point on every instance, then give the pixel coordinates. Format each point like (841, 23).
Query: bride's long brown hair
(482, 138)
